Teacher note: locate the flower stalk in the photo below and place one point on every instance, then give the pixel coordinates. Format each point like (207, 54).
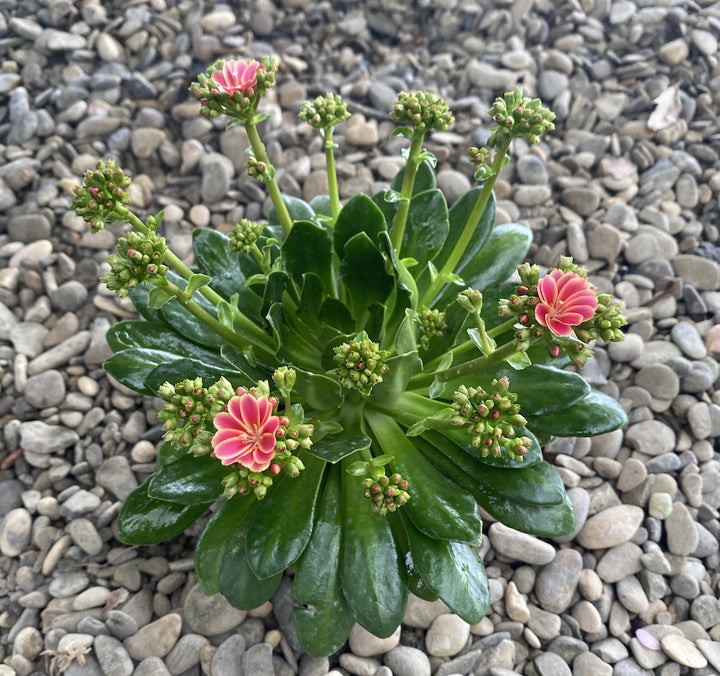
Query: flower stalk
(397, 231)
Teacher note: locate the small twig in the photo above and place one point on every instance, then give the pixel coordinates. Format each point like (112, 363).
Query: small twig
(11, 458)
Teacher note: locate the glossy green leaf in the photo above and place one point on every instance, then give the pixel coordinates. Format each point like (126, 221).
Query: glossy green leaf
(275, 285)
(140, 298)
(158, 296)
(424, 179)
(189, 481)
(336, 314)
(282, 526)
(237, 359)
(401, 368)
(360, 214)
(597, 413)
(185, 323)
(453, 571)
(317, 391)
(308, 248)
(547, 521)
(298, 209)
(197, 281)
(238, 584)
(311, 298)
(168, 453)
(538, 484)
(426, 227)
(503, 251)
(132, 366)
(146, 521)
(213, 257)
(437, 506)
(293, 341)
(155, 335)
(457, 217)
(348, 440)
(321, 205)
(372, 573)
(323, 622)
(214, 539)
(363, 273)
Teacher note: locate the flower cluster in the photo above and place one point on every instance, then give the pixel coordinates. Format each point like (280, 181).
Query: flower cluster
(99, 195)
(491, 418)
(189, 409)
(432, 322)
(234, 87)
(563, 309)
(518, 117)
(385, 493)
(139, 259)
(423, 111)
(361, 363)
(325, 111)
(244, 236)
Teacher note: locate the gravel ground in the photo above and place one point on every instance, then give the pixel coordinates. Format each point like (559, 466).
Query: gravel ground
(627, 185)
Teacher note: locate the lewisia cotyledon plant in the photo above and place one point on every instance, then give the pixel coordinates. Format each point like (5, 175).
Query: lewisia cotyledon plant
(350, 387)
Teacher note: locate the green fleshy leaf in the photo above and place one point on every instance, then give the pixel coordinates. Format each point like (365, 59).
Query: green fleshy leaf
(238, 584)
(168, 453)
(228, 270)
(453, 571)
(213, 542)
(298, 209)
(189, 481)
(363, 273)
(308, 249)
(337, 445)
(426, 228)
(240, 363)
(132, 366)
(437, 505)
(292, 339)
(311, 297)
(158, 296)
(405, 132)
(317, 391)
(549, 521)
(597, 413)
(372, 574)
(424, 179)
(400, 369)
(282, 526)
(458, 216)
(141, 300)
(155, 335)
(197, 281)
(146, 521)
(360, 214)
(321, 205)
(336, 314)
(324, 623)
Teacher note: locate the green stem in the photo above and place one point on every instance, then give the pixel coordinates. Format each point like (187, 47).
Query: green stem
(245, 326)
(501, 328)
(477, 364)
(260, 154)
(331, 172)
(411, 166)
(466, 235)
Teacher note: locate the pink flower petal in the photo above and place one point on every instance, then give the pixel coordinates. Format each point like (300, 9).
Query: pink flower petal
(231, 451)
(225, 421)
(558, 328)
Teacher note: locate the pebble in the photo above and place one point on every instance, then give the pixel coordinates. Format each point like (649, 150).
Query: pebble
(228, 655)
(556, 582)
(651, 437)
(210, 615)
(15, 531)
(408, 661)
(365, 644)
(683, 651)
(113, 657)
(611, 527)
(447, 636)
(682, 536)
(520, 546)
(155, 639)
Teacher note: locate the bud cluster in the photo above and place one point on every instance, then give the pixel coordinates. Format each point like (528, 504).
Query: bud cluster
(606, 324)
(361, 364)
(139, 258)
(325, 111)
(423, 111)
(101, 192)
(432, 322)
(491, 418)
(240, 105)
(189, 410)
(470, 300)
(385, 493)
(518, 117)
(259, 170)
(244, 236)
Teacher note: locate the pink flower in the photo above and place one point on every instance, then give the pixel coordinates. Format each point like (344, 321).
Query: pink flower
(246, 432)
(237, 76)
(566, 300)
